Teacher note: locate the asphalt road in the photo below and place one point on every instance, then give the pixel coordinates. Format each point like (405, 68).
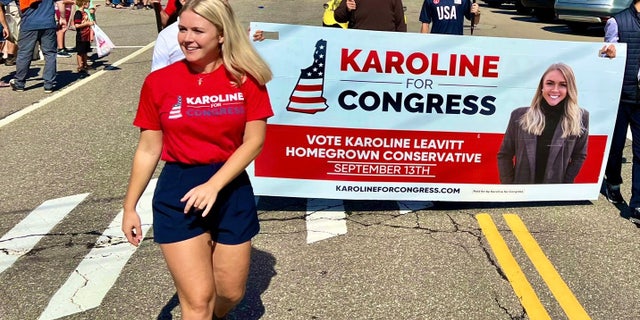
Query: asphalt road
(397, 260)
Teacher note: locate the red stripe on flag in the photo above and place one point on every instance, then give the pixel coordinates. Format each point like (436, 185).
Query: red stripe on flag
(307, 99)
(309, 87)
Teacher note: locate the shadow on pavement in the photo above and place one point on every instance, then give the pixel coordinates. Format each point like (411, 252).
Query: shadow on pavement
(595, 31)
(262, 270)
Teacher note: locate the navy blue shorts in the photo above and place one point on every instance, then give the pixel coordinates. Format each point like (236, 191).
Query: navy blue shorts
(232, 220)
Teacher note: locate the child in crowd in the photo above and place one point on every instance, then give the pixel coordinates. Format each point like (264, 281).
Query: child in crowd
(84, 34)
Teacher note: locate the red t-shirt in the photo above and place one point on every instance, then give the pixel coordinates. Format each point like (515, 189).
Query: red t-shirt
(170, 8)
(202, 117)
(82, 33)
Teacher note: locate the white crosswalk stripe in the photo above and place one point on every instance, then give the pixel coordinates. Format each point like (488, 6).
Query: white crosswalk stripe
(325, 219)
(409, 206)
(98, 271)
(26, 234)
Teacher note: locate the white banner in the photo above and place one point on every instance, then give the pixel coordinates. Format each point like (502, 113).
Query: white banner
(406, 116)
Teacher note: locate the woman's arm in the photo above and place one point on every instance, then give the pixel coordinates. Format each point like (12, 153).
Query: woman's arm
(507, 152)
(145, 161)
(204, 196)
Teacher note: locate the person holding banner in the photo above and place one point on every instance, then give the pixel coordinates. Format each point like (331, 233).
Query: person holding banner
(447, 16)
(623, 27)
(547, 141)
(205, 116)
(379, 15)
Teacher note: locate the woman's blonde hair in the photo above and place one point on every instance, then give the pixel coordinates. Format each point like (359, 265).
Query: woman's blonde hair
(238, 54)
(533, 120)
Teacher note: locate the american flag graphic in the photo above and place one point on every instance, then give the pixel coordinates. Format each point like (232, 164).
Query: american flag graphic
(307, 95)
(175, 112)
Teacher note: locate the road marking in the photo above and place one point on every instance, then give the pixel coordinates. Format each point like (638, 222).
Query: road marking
(547, 271)
(325, 219)
(410, 206)
(517, 279)
(26, 234)
(87, 286)
(59, 94)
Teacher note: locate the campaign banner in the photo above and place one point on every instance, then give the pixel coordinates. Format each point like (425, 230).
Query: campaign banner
(407, 116)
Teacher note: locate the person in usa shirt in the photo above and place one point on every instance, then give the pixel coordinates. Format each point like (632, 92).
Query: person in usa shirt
(447, 16)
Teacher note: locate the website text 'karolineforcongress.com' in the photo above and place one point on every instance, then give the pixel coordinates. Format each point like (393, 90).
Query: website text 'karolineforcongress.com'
(391, 189)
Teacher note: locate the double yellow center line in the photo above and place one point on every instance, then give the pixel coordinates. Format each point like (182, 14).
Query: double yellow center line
(516, 277)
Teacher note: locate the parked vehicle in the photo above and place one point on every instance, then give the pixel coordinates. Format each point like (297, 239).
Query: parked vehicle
(520, 9)
(542, 9)
(581, 14)
(497, 3)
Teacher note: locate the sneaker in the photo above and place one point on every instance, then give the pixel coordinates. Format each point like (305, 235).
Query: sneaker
(612, 192)
(62, 53)
(635, 215)
(10, 61)
(48, 90)
(14, 85)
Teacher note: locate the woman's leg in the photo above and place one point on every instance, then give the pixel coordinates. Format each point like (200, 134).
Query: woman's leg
(230, 270)
(189, 262)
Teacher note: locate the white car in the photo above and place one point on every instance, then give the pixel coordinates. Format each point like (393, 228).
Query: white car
(581, 14)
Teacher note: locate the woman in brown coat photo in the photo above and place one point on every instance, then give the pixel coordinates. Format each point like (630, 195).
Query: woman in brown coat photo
(547, 141)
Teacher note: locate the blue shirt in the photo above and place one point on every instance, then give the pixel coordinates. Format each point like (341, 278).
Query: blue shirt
(445, 16)
(39, 16)
(611, 33)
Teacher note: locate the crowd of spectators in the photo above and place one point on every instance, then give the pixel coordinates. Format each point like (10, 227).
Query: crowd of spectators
(40, 16)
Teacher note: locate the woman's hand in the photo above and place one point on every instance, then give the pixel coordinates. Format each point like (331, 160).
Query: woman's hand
(131, 227)
(201, 197)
